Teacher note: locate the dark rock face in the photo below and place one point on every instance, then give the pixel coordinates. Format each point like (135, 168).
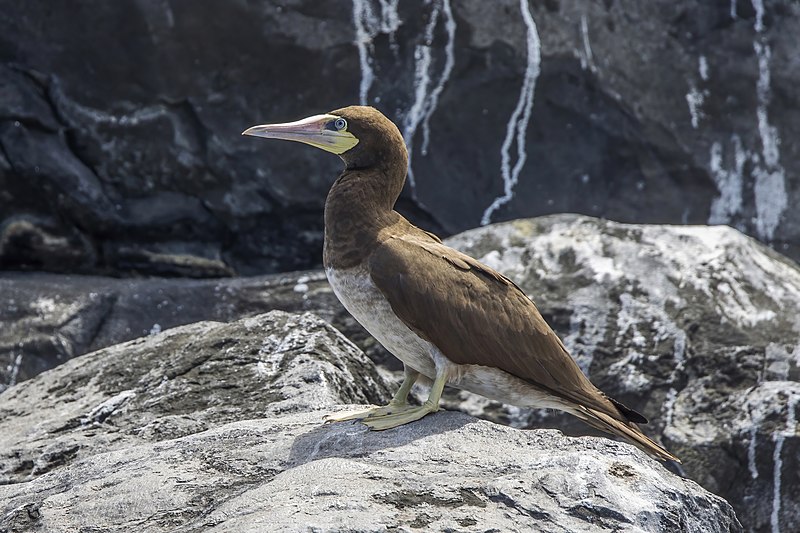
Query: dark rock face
(120, 121)
(217, 427)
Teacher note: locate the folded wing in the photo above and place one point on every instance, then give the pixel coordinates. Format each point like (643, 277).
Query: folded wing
(477, 316)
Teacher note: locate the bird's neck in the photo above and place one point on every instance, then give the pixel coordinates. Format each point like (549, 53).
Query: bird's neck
(358, 211)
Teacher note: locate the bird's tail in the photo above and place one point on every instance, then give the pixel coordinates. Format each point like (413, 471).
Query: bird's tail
(628, 430)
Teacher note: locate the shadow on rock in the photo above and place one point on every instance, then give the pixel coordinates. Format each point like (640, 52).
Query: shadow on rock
(354, 439)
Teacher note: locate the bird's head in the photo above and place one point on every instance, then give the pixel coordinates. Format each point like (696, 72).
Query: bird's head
(362, 136)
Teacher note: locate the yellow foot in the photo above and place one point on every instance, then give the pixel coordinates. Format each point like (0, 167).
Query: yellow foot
(402, 416)
(367, 413)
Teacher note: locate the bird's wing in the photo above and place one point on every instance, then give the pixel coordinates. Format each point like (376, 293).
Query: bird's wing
(477, 316)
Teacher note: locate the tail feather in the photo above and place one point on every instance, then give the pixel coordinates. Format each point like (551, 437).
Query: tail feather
(627, 430)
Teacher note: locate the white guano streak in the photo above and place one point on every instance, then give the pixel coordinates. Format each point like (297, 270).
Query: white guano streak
(422, 79)
(769, 188)
(518, 123)
(425, 100)
(14, 370)
(696, 97)
(770, 185)
(789, 431)
(449, 63)
(770, 177)
(729, 182)
(367, 26)
(586, 60)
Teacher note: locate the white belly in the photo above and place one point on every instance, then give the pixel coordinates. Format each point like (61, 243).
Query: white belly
(362, 299)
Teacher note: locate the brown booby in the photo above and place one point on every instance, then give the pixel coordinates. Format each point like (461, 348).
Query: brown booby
(445, 315)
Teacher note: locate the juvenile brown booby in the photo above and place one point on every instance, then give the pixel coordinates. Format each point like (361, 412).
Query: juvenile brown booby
(445, 315)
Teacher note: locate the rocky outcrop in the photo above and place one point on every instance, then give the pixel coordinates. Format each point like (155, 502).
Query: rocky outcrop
(696, 327)
(179, 382)
(48, 319)
(693, 326)
(119, 121)
(218, 427)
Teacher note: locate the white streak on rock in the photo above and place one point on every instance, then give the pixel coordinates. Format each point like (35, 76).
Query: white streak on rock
(13, 370)
(758, 6)
(729, 182)
(756, 412)
(170, 16)
(770, 185)
(390, 19)
(586, 60)
(751, 450)
(449, 63)
(769, 188)
(425, 98)
(518, 123)
(87, 114)
(368, 26)
(422, 80)
(778, 437)
(362, 17)
(702, 68)
(695, 99)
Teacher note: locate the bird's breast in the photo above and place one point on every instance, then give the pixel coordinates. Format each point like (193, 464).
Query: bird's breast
(362, 299)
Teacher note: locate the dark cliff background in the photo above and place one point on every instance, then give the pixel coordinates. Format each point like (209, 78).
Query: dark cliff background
(120, 122)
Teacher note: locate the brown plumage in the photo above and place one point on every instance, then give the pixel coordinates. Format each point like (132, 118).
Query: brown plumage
(445, 314)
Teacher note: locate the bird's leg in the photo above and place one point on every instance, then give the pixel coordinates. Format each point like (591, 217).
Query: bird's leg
(410, 414)
(398, 402)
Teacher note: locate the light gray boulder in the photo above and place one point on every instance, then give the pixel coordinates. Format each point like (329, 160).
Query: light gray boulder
(218, 427)
(448, 471)
(179, 382)
(695, 326)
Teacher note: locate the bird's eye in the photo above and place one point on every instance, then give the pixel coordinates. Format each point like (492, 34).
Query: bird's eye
(340, 124)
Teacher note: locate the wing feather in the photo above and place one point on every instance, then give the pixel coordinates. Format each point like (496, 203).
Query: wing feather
(477, 316)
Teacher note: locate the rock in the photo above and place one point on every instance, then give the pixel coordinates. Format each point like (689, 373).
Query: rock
(695, 327)
(218, 427)
(127, 157)
(179, 382)
(49, 319)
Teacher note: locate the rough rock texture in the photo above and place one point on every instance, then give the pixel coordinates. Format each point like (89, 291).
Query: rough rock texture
(47, 319)
(179, 382)
(207, 427)
(696, 327)
(120, 121)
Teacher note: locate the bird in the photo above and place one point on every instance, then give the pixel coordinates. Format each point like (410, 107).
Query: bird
(449, 318)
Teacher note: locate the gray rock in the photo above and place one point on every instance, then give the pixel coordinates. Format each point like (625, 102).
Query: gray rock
(695, 327)
(179, 382)
(47, 319)
(217, 427)
(119, 121)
